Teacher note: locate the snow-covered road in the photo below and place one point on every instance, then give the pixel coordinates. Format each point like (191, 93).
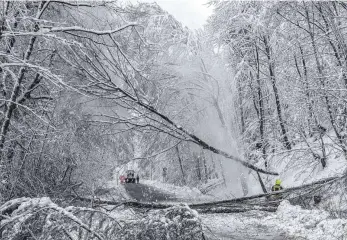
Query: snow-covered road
(146, 193)
(238, 226)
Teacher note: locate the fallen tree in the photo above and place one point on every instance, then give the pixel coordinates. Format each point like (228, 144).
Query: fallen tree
(285, 194)
(120, 88)
(233, 205)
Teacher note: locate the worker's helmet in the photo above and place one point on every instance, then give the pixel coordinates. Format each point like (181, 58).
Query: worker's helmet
(278, 182)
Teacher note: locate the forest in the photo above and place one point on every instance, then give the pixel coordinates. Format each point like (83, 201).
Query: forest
(88, 87)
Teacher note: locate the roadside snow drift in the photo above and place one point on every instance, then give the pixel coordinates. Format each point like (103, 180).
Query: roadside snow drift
(288, 221)
(308, 224)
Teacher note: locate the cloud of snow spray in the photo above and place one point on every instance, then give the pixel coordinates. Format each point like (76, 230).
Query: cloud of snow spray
(214, 92)
(218, 136)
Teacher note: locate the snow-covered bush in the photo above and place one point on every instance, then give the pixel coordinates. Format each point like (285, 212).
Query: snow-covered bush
(40, 218)
(334, 200)
(178, 222)
(307, 224)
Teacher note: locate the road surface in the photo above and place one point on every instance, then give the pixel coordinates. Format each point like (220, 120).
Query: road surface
(145, 193)
(234, 226)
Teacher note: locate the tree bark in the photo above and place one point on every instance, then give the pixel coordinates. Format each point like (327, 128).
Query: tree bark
(286, 142)
(311, 120)
(261, 107)
(198, 168)
(205, 168)
(240, 104)
(18, 83)
(181, 166)
(261, 183)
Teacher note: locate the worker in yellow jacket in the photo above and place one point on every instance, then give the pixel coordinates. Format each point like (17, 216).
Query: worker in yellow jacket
(277, 186)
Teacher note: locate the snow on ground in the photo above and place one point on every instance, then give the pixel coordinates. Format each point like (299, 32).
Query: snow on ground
(122, 213)
(289, 221)
(309, 224)
(183, 193)
(246, 225)
(295, 167)
(298, 167)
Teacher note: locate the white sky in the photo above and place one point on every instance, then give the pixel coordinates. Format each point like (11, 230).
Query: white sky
(191, 13)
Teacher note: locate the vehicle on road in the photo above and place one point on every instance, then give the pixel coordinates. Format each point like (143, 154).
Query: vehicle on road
(122, 179)
(130, 178)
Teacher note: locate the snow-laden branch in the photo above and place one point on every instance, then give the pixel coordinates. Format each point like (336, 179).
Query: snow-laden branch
(154, 154)
(86, 30)
(30, 110)
(22, 209)
(44, 72)
(44, 30)
(79, 4)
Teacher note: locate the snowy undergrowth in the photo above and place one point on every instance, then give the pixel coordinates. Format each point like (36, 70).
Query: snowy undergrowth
(183, 193)
(295, 167)
(298, 167)
(292, 221)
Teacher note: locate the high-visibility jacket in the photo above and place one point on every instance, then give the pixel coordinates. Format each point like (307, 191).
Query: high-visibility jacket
(276, 187)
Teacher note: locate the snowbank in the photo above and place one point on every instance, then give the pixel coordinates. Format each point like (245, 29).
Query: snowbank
(308, 224)
(292, 221)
